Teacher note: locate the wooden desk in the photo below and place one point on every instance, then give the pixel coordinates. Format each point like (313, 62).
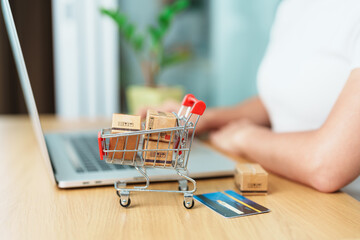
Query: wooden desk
(32, 208)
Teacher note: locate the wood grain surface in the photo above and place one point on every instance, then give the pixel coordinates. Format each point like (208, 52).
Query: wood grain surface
(31, 207)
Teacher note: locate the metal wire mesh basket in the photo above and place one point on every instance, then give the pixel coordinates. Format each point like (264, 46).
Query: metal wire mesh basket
(164, 155)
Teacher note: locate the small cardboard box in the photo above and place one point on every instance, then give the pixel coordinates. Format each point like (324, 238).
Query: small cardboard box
(124, 123)
(251, 179)
(156, 120)
(163, 158)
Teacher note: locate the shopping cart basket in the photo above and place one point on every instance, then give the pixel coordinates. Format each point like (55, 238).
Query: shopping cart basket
(174, 155)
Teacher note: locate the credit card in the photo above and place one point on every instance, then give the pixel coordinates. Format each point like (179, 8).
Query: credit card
(230, 204)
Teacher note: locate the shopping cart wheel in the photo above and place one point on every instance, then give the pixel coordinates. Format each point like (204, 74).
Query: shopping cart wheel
(125, 202)
(189, 204)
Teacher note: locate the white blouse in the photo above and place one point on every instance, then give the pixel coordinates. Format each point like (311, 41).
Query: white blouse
(314, 45)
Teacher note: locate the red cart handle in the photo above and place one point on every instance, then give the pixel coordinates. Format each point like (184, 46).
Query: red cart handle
(198, 107)
(100, 142)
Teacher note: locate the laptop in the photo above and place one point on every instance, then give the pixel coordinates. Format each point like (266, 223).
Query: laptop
(73, 159)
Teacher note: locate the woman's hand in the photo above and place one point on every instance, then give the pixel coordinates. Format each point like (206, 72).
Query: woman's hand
(232, 138)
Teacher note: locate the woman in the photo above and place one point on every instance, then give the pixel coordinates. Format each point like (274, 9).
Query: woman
(305, 123)
(309, 93)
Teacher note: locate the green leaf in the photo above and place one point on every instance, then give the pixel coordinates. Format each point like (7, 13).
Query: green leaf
(180, 5)
(167, 14)
(155, 34)
(120, 19)
(129, 31)
(165, 17)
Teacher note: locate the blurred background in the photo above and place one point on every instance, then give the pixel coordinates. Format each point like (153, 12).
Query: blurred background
(80, 65)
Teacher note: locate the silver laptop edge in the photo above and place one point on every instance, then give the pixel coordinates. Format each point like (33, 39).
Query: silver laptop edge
(25, 84)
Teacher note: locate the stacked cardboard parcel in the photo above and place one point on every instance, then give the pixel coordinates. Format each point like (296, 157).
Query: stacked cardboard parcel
(163, 140)
(124, 123)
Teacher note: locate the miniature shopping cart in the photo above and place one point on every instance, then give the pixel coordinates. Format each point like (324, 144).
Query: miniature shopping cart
(171, 155)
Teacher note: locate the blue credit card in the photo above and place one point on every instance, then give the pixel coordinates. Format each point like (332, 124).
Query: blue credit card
(230, 204)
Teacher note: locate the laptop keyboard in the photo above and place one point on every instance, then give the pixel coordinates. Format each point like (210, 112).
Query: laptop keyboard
(88, 152)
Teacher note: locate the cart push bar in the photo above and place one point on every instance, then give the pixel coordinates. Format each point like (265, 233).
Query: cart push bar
(178, 151)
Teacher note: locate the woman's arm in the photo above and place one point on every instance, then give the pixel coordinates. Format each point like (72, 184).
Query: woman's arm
(214, 118)
(326, 159)
(252, 109)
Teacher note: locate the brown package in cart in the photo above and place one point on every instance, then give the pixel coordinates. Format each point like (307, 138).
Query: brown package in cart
(124, 123)
(163, 158)
(155, 120)
(251, 179)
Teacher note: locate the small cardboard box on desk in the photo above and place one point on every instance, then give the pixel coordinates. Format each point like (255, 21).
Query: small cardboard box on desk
(124, 123)
(251, 179)
(163, 140)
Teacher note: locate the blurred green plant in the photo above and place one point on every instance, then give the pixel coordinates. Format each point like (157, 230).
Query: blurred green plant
(149, 47)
